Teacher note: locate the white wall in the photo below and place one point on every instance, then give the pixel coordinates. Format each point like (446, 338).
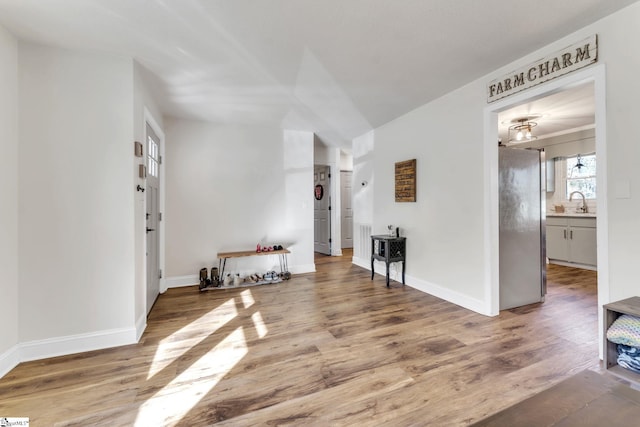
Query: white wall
(615, 36)
(76, 231)
(444, 227)
(232, 187)
(346, 161)
(362, 197)
(8, 200)
(446, 241)
(145, 108)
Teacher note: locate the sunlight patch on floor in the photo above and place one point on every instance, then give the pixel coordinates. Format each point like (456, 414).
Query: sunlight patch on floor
(261, 328)
(167, 351)
(176, 399)
(247, 298)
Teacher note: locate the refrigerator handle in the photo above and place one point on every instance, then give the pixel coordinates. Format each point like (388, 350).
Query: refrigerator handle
(571, 234)
(565, 234)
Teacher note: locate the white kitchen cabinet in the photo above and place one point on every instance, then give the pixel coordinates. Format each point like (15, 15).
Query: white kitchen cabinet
(557, 247)
(572, 239)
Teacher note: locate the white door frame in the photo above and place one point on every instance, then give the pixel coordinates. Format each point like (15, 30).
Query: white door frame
(597, 75)
(148, 118)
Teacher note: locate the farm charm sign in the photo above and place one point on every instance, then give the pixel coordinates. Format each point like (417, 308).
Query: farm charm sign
(406, 181)
(567, 60)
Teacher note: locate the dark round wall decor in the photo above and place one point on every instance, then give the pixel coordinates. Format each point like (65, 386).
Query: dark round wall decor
(319, 192)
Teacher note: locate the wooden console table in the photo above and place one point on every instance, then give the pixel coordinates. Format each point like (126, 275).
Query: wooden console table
(282, 255)
(388, 249)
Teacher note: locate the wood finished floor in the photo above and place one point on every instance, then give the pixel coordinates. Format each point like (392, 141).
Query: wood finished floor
(329, 348)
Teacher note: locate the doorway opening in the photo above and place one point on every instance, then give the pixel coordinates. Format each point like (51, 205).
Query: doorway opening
(588, 80)
(322, 209)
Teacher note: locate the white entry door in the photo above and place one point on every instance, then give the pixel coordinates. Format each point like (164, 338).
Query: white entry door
(322, 209)
(153, 216)
(347, 210)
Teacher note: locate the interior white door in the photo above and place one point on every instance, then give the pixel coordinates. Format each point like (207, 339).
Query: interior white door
(153, 216)
(322, 209)
(347, 210)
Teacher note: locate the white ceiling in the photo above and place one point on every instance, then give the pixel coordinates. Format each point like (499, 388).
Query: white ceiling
(570, 110)
(335, 67)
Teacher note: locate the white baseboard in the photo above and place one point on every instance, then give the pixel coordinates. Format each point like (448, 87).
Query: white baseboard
(453, 297)
(163, 285)
(59, 346)
(9, 360)
(362, 262)
(574, 265)
(303, 268)
(141, 325)
(180, 281)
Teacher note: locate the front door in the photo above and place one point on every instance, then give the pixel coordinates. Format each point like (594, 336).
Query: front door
(322, 210)
(153, 250)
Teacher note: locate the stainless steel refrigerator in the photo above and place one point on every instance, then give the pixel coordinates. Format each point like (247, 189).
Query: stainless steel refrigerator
(523, 278)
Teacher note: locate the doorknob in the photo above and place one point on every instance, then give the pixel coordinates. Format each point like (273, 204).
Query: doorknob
(150, 229)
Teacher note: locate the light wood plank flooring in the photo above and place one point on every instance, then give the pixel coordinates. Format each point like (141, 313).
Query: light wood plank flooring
(329, 348)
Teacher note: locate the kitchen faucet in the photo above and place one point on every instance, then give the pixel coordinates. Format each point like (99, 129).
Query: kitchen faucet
(584, 208)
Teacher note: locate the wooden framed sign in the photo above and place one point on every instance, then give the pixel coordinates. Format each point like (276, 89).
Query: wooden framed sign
(406, 181)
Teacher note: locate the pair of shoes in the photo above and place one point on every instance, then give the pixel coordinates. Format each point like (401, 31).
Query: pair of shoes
(277, 248)
(270, 276)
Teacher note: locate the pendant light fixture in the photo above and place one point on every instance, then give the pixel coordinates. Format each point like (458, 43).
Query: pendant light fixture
(520, 130)
(579, 165)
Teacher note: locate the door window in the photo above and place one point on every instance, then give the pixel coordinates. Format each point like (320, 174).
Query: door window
(153, 157)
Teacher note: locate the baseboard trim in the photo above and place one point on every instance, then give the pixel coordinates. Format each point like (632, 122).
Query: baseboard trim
(180, 281)
(361, 262)
(574, 265)
(141, 325)
(438, 291)
(62, 346)
(163, 285)
(303, 268)
(9, 360)
(453, 297)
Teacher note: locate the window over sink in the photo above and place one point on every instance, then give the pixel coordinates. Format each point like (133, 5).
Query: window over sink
(581, 175)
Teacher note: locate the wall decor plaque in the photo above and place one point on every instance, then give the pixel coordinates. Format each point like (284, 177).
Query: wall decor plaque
(567, 60)
(406, 181)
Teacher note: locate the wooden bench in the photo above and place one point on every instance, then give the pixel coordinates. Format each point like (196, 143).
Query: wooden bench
(282, 256)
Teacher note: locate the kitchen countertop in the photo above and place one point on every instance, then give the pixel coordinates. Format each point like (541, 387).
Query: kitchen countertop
(573, 214)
